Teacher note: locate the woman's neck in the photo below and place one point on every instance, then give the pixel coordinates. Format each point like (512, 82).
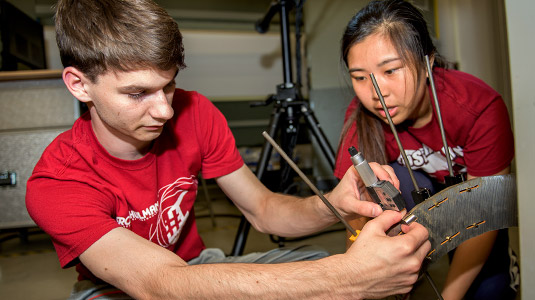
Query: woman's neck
(424, 112)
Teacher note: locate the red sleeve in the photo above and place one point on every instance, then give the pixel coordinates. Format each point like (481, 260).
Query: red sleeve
(73, 213)
(490, 146)
(220, 155)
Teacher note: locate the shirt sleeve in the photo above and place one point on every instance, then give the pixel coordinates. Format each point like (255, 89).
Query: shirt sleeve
(490, 144)
(73, 213)
(343, 160)
(220, 156)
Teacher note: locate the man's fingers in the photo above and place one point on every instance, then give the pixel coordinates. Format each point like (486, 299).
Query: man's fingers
(424, 249)
(418, 231)
(368, 209)
(417, 238)
(385, 220)
(385, 172)
(420, 235)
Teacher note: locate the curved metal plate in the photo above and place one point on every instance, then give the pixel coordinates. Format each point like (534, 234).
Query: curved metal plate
(466, 210)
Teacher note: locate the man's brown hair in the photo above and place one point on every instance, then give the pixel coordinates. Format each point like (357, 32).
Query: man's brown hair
(96, 36)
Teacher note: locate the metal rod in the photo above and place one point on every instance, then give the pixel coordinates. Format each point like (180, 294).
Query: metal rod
(432, 283)
(308, 182)
(394, 131)
(439, 115)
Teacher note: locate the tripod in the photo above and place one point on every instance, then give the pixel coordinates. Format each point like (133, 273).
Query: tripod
(285, 118)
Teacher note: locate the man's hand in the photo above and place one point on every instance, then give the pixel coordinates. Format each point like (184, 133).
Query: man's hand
(350, 196)
(383, 265)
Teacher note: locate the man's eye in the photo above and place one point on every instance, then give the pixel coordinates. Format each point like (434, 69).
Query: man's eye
(170, 87)
(359, 78)
(136, 95)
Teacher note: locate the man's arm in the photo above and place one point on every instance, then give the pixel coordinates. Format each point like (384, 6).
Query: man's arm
(375, 266)
(468, 260)
(290, 216)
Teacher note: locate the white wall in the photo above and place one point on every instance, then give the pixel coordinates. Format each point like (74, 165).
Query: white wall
(229, 65)
(330, 91)
(53, 60)
(472, 33)
(520, 25)
(325, 24)
(232, 65)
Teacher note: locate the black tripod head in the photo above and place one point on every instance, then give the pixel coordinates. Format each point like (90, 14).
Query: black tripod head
(262, 25)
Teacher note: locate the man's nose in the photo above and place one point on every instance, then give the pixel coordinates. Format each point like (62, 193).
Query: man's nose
(161, 109)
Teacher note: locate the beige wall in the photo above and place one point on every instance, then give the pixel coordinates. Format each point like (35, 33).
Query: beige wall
(330, 91)
(472, 33)
(325, 23)
(520, 25)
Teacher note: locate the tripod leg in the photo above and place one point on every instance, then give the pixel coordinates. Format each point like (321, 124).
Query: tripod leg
(288, 141)
(315, 127)
(243, 228)
(289, 135)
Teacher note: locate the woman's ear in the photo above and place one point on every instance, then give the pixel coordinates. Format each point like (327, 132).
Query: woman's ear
(431, 61)
(76, 81)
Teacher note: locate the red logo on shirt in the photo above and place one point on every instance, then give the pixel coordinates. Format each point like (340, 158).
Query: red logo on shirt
(171, 218)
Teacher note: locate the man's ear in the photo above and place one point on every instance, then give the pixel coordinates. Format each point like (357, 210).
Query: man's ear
(76, 82)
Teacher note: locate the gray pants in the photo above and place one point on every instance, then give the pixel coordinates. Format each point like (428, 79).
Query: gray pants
(86, 289)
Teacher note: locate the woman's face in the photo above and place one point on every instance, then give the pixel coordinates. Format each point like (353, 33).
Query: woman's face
(404, 100)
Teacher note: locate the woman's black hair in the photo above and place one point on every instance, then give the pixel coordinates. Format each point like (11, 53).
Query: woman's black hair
(406, 28)
(399, 21)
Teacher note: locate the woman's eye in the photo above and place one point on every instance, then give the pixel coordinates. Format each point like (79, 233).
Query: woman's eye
(359, 78)
(391, 71)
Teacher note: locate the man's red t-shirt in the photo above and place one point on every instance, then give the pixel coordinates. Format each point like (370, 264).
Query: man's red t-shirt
(78, 192)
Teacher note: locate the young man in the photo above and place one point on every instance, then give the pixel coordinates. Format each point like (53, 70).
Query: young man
(116, 191)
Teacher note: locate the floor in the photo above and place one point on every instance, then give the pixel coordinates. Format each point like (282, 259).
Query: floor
(29, 269)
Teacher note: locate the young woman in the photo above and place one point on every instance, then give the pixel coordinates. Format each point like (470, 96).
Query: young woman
(390, 39)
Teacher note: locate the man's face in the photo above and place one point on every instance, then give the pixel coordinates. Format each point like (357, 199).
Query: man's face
(130, 108)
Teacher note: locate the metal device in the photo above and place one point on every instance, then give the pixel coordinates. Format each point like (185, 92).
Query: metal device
(381, 191)
(451, 216)
(8, 178)
(32, 113)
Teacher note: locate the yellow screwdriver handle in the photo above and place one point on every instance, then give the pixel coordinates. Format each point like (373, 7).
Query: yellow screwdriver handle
(354, 237)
